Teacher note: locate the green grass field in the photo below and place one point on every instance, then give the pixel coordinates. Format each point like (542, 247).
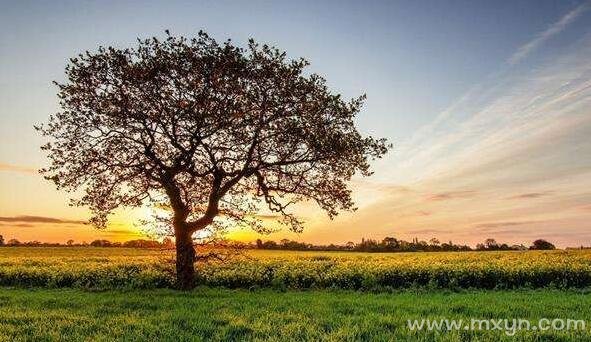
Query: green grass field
(237, 315)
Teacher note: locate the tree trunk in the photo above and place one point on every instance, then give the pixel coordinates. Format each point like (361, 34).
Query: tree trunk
(185, 259)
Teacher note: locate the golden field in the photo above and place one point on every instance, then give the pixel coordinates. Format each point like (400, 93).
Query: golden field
(103, 268)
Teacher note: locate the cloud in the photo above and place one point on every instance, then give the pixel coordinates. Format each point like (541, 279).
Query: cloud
(503, 232)
(529, 128)
(16, 168)
(20, 225)
(486, 226)
(557, 27)
(382, 187)
(393, 190)
(530, 195)
(124, 232)
(39, 219)
(418, 213)
(430, 231)
(450, 195)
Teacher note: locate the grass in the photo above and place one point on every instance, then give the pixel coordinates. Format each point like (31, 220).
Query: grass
(238, 315)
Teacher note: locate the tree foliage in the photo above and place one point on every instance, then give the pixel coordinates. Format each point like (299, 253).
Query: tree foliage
(201, 126)
(541, 244)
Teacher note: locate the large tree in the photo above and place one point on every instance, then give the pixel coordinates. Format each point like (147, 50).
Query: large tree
(211, 131)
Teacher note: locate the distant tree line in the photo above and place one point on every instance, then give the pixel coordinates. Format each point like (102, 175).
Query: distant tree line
(138, 243)
(387, 244)
(492, 245)
(391, 244)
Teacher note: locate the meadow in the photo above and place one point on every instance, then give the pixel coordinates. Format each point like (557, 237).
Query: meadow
(123, 268)
(208, 314)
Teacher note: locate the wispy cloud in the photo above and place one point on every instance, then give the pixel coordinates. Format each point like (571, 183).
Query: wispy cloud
(19, 225)
(122, 232)
(537, 116)
(429, 231)
(451, 195)
(503, 224)
(39, 219)
(16, 168)
(530, 195)
(551, 31)
(417, 213)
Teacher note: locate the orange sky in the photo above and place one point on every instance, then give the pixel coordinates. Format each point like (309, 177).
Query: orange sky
(458, 214)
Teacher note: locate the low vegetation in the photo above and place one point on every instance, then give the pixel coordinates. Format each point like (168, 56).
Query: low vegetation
(107, 268)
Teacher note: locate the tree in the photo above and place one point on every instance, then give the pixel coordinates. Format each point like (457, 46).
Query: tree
(211, 131)
(70, 242)
(542, 244)
(142, 243)
(101, 243)
(491, 244)
(1, 240)
(390, 243)
(13, 242)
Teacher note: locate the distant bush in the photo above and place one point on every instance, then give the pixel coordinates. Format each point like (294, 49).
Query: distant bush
(542, 245)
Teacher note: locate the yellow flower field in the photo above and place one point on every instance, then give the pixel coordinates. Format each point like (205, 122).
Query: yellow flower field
(101, 268)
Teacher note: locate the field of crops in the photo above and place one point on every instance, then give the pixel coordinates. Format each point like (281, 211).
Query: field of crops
(108, 268)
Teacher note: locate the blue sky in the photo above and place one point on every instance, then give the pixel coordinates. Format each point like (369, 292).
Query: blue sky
(461, 87)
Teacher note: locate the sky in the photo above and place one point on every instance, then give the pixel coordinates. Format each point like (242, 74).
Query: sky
(487, 103)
